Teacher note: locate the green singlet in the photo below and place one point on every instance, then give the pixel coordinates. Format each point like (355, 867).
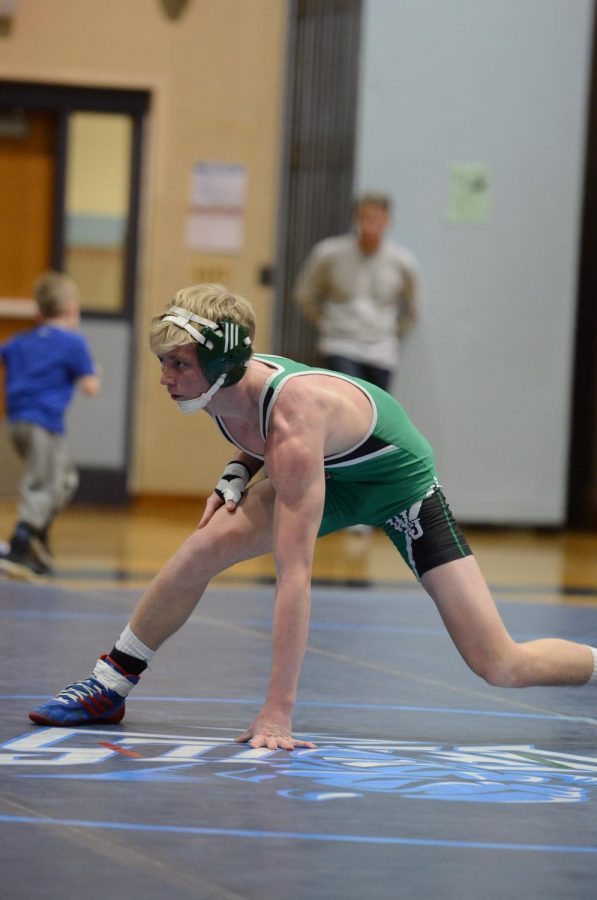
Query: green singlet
(389, 470)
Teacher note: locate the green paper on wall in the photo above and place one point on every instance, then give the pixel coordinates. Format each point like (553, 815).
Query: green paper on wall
(469, 193)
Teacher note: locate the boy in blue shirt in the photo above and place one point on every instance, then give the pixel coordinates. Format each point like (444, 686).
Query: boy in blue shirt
(43, 366)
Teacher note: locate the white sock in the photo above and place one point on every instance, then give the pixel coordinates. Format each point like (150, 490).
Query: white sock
(128, 643)
(593, 678)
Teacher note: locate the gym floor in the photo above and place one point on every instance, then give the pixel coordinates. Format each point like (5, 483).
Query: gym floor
(425, 781)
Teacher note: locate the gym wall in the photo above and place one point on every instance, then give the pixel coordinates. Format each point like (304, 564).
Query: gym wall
(215, 76)
(496, 92)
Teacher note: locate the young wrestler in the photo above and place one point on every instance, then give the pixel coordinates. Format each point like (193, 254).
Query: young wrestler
(336, 451)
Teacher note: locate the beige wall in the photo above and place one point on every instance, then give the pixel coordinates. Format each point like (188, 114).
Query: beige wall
(216, 78)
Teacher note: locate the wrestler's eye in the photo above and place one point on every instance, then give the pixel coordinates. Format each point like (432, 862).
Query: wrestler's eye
(178, 364)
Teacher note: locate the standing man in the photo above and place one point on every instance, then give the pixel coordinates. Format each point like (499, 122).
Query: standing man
(362, 292)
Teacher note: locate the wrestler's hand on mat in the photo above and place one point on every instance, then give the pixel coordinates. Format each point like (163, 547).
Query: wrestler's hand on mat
(275, 734)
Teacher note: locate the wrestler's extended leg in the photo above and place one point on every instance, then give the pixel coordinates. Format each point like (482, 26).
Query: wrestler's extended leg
(466, 606)
(227, 538)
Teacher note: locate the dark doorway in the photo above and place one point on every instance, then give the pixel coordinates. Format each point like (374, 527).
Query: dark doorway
(582, 473)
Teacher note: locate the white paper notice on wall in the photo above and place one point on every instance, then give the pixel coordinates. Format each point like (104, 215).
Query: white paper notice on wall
(216, 218)
(469, 193)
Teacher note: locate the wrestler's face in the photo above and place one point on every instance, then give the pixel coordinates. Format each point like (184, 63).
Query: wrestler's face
(182, 375)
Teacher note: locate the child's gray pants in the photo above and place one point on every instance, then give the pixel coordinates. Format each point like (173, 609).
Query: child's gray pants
(50, 478)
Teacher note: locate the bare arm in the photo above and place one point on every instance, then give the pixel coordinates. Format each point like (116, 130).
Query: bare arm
(294, 458)
(90, 385)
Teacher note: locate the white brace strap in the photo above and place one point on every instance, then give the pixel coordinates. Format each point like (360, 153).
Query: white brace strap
(111, 679)
(233, 482)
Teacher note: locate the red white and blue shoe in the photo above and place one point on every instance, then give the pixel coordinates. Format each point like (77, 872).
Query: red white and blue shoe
(98, 699)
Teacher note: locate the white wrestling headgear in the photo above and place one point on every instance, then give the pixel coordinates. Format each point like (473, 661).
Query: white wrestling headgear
(223, 350)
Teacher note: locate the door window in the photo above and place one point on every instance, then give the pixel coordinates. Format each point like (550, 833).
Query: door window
(96, 210)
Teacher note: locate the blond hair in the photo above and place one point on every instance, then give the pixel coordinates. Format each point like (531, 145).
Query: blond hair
(211, 301)
(54, 294)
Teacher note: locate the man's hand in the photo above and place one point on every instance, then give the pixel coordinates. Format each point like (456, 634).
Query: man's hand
(213, 502)
(233, 482)
(273, 734)
(229, 490)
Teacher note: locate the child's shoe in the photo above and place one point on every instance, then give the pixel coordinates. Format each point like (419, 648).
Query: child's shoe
(23, 560)
(98, 699)
(23, 566)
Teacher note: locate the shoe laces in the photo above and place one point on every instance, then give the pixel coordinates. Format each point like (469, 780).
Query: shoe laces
(79, 690)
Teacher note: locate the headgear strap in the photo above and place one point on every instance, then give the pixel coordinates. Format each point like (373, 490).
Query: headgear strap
(183, 318)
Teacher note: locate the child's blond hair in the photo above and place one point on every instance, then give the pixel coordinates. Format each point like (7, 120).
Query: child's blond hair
(55, 294)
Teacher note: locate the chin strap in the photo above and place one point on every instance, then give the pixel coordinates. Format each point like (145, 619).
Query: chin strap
(191, 406)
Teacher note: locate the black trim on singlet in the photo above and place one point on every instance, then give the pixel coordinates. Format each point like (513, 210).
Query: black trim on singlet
(220, 425)
(372, 445)
(267, 399)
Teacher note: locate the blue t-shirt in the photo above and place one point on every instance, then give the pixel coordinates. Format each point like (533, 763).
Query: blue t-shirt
(42, 366)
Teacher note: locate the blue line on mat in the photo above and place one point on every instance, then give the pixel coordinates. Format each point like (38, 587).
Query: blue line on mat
(311, 704)
(297, 835)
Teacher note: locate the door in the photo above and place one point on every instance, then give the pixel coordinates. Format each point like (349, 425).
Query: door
(27, 176)
(70, 163)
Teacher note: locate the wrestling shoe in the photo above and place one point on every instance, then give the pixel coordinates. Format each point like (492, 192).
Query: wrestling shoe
(98, 699)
